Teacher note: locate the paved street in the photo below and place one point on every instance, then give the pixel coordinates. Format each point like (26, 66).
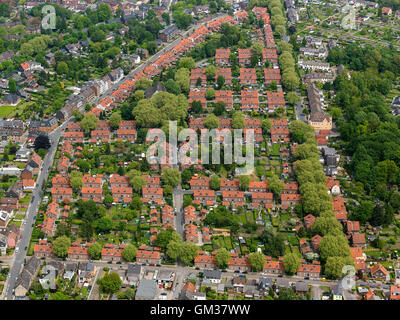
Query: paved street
(178, 206)
(299, 112)
(26, 228)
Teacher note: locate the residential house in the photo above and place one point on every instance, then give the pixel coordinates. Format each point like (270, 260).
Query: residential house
(378, 271)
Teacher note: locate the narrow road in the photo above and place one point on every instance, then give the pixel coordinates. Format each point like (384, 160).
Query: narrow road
(178, 206)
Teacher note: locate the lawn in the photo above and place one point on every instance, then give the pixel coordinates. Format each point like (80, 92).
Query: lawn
(274, 150)
(284, 217)
(5, 111)
(25, 200)
(222, 242)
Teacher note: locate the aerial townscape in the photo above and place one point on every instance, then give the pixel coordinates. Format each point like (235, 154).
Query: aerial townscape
(84, 214)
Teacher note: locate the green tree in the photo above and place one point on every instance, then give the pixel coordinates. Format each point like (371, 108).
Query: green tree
(220, 81)
(95, 251)
(76, 180)
(138, 182)
(62, 68)
(334, 246)
(290, 80)
(130, 293)
(291, 263)
(187, 62)
(115, 119)
(266, 125)
(172, 87)
(182, 77)
(325, 225)
(188, 252)
(222, 257)
(61, 246)
(174, 250)
(292, 97)
(104, 224)
(12, 86)
(129, 252)
(219, 108)
(275, 185)
(211, 121)
(215, 182)
(89, 122)
(334, 266)
(146, 114)
(244, 182)
(238, 121)
(210, 72)
(210, 94)
(196, 107)
(110, 283)
(171, 177)
(257, 261)
(164, 237)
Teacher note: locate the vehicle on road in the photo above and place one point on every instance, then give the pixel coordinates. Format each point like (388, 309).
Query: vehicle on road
(33, 225)
(16, 250)
(237, 271)
(26, 248)
(306, 278)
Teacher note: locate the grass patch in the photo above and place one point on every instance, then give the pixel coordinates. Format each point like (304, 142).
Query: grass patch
(25, 200)
(274, 150)
(5, 111)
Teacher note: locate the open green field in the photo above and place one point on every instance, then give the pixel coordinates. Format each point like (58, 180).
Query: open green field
(222, 242)
(5, 111)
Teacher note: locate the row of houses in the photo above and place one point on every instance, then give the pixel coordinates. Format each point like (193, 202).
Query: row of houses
(110, 252)
(249, 99)
(205, 260)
